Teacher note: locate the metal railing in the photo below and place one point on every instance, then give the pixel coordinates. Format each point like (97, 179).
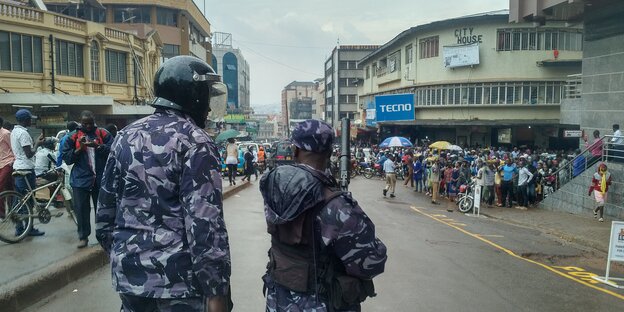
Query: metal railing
(573, 86)
(611, 149)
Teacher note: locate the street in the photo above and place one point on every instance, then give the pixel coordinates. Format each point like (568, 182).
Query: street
(437, 261)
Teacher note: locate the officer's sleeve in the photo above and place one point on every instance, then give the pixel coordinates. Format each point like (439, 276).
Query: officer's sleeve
(203, 218)
(350, 232)
(107, 204)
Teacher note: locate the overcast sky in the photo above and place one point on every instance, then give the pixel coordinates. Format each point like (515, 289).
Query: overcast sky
(286, 40)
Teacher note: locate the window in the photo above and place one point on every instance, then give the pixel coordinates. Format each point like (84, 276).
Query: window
(137, 70)
(429, 47)
(409, 54)
(95, 61)
(116, 71)
(21, 53)
(367, 71)
(512, 93)
(517, 39)
(167, 17)
(348, 65)
(133, 14)
(347, 99)
(169, 51)
(69, 59)
(394, 62)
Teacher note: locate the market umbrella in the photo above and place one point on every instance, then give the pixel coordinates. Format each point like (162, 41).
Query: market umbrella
(227, 134)
(396, 141)
(441, 145)
(454, 148)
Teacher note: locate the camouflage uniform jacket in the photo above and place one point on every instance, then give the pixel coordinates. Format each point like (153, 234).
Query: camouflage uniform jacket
(160, 210)
(342, 227)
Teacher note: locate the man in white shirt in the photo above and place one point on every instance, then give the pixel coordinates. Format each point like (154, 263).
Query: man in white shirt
(23, 149)
(388, 168)
(524, 176)
(617, 144)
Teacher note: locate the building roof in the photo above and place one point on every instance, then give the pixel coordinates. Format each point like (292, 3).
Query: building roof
(300, 84)
(502, 15)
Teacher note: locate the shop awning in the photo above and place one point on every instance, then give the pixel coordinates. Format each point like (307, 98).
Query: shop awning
(54, 99)
(560, 63)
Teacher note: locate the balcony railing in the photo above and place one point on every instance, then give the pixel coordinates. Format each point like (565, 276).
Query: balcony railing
(117, 34)
(19, 12)
(69, 23)
(573, 86)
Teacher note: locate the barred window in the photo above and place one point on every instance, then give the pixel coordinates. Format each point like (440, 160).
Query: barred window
(22, 53)
(69, 59)
(429, 47)
(116, 71)
(519, 39)
(167, 17)
(409, 54)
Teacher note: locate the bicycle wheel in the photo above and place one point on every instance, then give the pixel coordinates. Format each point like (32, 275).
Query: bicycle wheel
(465, 204)
(15, 216)
(368, 173)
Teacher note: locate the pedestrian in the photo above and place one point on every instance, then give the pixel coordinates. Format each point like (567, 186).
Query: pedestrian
(389, 169)
(160, 214)
(489, 180)
(45, 163)
(418, 174)
(524, 176)
(480, 178)
(579, 163)
(324, 252)
(6, 162)
(112, 129)
(231, 160)
(601, 180)
(595, 148)
(617, 144)
(508, 172)
(24, 151)
(87, 149)
(249, 164)
(410, 163)
(434, 179)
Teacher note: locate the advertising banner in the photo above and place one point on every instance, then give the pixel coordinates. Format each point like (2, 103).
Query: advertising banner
(395, 107)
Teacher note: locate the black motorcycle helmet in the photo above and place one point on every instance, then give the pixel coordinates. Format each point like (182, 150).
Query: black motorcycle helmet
(190, 85)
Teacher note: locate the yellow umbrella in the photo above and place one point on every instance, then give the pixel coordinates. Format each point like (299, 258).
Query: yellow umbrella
(442, 145)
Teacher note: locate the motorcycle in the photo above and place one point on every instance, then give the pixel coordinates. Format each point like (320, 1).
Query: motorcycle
(465, 197)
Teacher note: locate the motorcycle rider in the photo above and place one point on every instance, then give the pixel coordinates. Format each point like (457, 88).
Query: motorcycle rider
(320, 235)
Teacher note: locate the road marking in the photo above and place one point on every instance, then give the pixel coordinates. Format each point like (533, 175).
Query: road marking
(439, 215)
(458, 224)
(577, 276)
(490, 235)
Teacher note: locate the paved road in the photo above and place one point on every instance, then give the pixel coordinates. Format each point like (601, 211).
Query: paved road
(438, 261)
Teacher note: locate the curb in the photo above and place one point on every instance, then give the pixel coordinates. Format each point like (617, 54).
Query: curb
(562, 235)
(28, 290)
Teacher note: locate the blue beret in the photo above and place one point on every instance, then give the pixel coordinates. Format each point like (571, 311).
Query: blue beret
(313, 135)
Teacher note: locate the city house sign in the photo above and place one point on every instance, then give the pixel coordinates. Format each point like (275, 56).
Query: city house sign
(467, 35)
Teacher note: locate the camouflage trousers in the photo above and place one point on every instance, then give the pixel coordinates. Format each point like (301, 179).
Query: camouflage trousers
(131, 303)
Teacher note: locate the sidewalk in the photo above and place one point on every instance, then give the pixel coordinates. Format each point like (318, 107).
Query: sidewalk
(35, 267)
(582, 230)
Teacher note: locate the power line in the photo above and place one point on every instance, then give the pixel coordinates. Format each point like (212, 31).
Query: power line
(280, 63)
(283, 45)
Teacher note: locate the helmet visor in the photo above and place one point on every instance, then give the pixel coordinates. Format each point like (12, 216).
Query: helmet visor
(218, 101)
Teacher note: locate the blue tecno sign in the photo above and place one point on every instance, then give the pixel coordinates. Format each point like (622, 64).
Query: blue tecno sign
(394, 107)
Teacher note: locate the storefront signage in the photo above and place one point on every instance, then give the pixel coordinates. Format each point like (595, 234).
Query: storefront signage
(463, 55)
(572, 133)
(394, 107)
(616, 244)
(467, 35)
(371, 116)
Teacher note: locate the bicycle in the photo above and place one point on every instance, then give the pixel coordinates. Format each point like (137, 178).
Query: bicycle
(19, 207)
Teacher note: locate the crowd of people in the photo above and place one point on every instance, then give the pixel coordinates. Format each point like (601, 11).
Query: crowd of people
(509, 177)
(82, 150)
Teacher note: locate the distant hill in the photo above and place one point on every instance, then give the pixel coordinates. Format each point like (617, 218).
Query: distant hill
(267, 108)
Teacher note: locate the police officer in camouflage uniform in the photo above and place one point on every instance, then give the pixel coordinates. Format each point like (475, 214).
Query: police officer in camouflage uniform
(160, 210)
(320, 237)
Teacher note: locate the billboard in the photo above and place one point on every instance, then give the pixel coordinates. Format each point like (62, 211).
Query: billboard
(395, 107)
(464, 55)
